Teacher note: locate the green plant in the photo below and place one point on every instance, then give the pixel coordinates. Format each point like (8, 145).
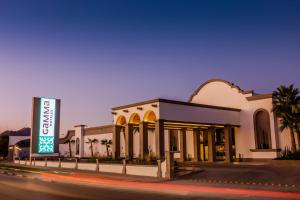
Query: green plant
(286, 106)
(69, 142)
(287, 154)
(4, 146)
(107, 144)
(91, 142)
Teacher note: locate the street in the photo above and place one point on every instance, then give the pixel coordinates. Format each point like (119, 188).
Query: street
(19, 187)
(23, 188)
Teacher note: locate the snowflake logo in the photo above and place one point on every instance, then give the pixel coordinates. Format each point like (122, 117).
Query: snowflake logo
(46, 144)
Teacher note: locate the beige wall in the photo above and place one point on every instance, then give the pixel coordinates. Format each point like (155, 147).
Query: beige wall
(219, 93)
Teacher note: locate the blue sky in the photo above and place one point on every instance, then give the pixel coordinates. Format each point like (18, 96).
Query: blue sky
(98, 54)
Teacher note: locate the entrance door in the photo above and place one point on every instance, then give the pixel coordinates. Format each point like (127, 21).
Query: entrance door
(203, 146)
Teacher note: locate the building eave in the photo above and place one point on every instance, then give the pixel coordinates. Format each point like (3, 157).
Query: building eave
(174, 102)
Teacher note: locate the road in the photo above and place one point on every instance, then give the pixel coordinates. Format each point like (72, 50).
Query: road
(25, 188)
(13, 188)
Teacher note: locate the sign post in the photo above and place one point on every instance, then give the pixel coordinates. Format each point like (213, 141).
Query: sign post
(45, 127)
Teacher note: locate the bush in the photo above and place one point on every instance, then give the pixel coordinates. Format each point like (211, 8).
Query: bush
(288, 155)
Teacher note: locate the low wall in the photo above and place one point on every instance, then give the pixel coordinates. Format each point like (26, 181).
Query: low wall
(138, 170)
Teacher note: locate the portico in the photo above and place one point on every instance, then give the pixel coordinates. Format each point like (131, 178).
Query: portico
(147, 129)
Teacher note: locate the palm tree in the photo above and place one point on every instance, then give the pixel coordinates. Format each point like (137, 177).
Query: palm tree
(70, 141)
(286, 106)
(91, 142)
(107, 144)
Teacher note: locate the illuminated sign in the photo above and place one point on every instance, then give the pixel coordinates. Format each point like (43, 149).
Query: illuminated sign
(46, 135)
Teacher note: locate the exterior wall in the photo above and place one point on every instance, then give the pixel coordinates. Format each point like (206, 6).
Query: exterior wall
(141, 113)
(98, 148)
(219, 93)
(198, 114)
(138, 170)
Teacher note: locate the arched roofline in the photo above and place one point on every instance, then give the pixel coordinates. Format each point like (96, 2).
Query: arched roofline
(232, 85)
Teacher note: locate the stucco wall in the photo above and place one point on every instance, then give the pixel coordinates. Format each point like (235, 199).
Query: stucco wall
(198, 114)
(221, 94)
(99, 149)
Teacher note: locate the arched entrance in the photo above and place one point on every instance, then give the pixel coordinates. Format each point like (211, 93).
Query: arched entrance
(262, 129)
(134, 136)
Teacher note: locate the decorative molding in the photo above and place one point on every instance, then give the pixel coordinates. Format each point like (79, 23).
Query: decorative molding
(259, 97)
(232, 85)
(139, 108)
(126, 111)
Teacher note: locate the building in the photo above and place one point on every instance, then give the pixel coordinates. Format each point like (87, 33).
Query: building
(17, 143)
(219, 122)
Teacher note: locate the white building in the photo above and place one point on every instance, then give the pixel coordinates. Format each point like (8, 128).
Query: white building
(218, 122)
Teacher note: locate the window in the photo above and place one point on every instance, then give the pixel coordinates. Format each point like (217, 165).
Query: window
(262, 129)
(77, 146)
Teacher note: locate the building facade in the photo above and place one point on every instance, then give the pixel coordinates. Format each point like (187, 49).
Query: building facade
(219, 122)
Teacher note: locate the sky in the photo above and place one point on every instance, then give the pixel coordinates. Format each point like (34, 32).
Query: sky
(95, 55)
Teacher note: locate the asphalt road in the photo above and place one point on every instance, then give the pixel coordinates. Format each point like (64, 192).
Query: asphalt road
(13, 188)
(17, 187)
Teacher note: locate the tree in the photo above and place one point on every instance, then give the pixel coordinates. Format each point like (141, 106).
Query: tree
(107, 144)
(91, 142)
(286, 103)
(70, 141)
(4, 145)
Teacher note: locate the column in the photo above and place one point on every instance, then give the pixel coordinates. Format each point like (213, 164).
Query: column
(143, 130)
(79, 138)
(228, 144)
(196, 141)
(116, 141)
(182, 145)
(159, 139)
(211, 145)
(129, 141)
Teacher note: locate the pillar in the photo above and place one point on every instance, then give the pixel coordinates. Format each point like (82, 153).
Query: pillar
(228, 144)
(129, 141)
(79, 136)
(143, 130)
(196, 141)
(211, 145)
(116, 141)
(159, 139)
(182, 145)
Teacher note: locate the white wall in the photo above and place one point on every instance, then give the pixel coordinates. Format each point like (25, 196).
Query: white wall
(220, 94)
(99, 149)
(198, 114)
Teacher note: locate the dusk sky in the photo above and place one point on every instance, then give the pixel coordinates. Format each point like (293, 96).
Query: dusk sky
(95, 55)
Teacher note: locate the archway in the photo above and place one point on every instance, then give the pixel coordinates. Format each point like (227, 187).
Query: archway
(262, 129)
(149, 117)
